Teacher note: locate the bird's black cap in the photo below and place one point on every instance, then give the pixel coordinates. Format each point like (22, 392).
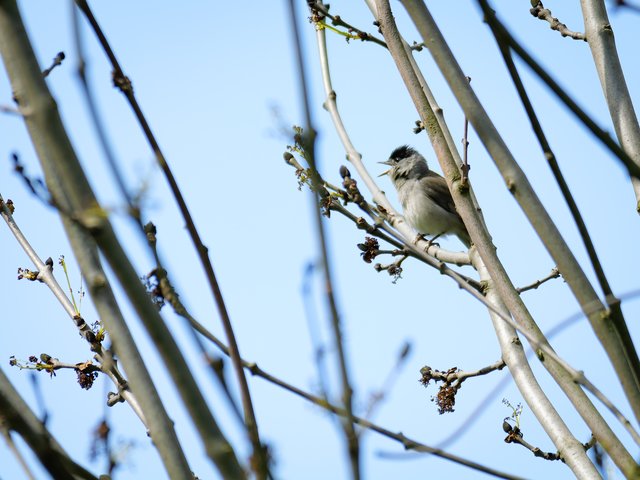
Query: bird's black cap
(400, 153)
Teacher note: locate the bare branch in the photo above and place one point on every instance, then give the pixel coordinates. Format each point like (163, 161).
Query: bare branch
(465, 152)
(485, 129)
(319, 10)
(56, 62)
(14, 449)
(91, 228)
(307, 142)
(613, 334)
(456, 375)
(629, 6)
(602, 43)
(96, 118)
(408, 443)
(124, 84)
(378, 396)
(542, 13)
(555, 273)
(45, 275)
(17, 416)
(452, 380)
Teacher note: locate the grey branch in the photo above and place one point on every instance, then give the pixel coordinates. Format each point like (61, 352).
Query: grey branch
(19, 417)
(555, 273)
(542, 13)
(45, 275)
(455, 375)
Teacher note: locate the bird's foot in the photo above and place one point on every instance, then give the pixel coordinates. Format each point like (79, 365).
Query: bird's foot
(429, 242)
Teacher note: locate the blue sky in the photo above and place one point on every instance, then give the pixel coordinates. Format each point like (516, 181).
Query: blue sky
(217, 83)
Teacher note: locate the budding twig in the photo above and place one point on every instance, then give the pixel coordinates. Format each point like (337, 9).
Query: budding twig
(542, 13)
(555, 273)
(56, 61)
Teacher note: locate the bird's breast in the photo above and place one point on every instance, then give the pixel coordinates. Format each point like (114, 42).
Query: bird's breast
(422, 213)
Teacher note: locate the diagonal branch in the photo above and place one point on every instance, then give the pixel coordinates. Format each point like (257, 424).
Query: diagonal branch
(308, 142)
(613, 332)
(45, 275)
(124, 84)
(17, 416)
(566, 375)
(632, 165)
(614, 86)
(539, 218)
(87, 226)
(407, 442)
(555, 169)
(454, 75)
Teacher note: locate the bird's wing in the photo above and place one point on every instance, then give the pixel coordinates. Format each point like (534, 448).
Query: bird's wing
(441, 195)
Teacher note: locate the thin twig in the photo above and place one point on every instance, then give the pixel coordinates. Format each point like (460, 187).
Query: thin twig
(378, 396)
(319, 351)
(542, 13)
(514, 435)
(167, 292)
(500, 30)
(319, 9)
(10, 110)
(124, 84)
(308, 142)
(464, 168)
(408, 443)
(56, 62)
(14, 449)
(555, 273)
(553, 164)
(465, 151)
(455, 375)
(629, 6)
(45, 275)
(96, 118)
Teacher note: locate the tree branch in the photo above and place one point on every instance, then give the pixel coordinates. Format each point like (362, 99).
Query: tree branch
(614, 86)
(86, 225)
(542, 13)
(124, 84)
(460, 86)
(308, 144)
(612, 333)
(17, 416)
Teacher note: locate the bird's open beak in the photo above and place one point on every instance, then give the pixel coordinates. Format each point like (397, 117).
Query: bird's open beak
(387, 162)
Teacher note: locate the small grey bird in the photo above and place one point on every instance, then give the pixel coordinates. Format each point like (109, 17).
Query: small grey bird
(426, 200)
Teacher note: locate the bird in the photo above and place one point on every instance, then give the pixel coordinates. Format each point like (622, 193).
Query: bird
(426, 201)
